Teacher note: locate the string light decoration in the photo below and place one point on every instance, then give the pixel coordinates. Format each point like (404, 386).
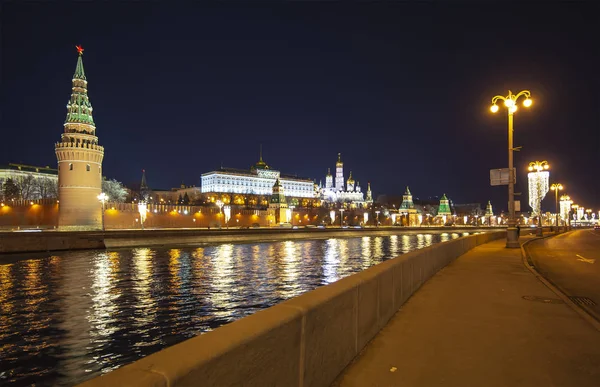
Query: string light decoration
(565, 206)
(538, 185)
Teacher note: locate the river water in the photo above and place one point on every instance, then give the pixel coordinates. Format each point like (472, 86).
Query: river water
(75, 315)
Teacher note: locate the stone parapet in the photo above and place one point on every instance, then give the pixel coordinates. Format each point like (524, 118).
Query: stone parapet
(304, 341)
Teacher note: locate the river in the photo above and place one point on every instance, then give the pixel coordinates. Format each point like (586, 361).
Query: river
(74, 315)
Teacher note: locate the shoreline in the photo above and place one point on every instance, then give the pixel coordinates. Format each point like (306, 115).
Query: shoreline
(48, 241)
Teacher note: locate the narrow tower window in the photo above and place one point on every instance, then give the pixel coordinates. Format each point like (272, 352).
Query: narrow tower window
(87, 168)
(70, 166)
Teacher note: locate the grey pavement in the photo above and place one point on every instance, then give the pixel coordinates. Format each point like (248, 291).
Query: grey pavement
(484, 320)
(571, 262)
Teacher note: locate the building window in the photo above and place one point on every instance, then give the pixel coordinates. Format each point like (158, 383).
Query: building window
(70, 166)
(87, 168)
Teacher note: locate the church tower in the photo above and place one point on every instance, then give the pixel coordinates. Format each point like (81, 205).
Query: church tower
(369, 198)
(350, 183)
(339, 174)
(79, 161)
(444, 208)
(488, 210)
(328, 179)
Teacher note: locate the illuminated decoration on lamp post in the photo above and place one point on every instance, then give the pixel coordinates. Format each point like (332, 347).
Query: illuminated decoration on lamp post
(565, 208)
(538, 188)
(332, 216)
(377, 218)
(341, 217)
(510, 102)
(365, 218)
(557, 187)
(102, 198)
(393, 219)
(227, 212)
(290, 212)
(143, 210)
(220, 205)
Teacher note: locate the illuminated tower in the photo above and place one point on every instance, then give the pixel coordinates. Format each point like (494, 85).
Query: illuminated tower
(369, 198)
(278, 204)
(444, 209)
(407, 201)
(339, 174)
(79, 161)
(328, 179)
(488, 209)
(350, 183)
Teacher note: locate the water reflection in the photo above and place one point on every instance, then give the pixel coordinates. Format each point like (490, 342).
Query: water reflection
(75, 315)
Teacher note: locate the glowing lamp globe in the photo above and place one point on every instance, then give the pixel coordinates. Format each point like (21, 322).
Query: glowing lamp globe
(527, 102)
(546, 166)
(494, 108)
(509, 102)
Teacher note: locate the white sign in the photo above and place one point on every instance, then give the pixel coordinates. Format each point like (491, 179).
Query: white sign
(501, 176)
(517, 205)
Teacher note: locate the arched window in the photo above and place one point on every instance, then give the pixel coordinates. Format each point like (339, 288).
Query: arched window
(87, 168)
(70, 166)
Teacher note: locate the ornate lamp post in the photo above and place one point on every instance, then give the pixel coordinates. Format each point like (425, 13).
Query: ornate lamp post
(377, 218)
(557, 187)
(102, 198)
(510, 102)
(538, 187)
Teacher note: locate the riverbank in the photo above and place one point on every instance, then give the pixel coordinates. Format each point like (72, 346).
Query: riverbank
(46, 241)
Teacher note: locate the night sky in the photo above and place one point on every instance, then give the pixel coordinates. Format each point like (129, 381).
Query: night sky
(401, 90)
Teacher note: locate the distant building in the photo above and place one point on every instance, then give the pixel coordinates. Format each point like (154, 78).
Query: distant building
(259, 180)
(351, 193)
(43, 184)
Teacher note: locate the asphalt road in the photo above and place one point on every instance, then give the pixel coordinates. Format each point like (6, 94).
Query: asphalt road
(572, 262)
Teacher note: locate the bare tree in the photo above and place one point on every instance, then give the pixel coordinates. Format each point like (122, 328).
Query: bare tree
(46, 188)
(115, 190)
(26, 187)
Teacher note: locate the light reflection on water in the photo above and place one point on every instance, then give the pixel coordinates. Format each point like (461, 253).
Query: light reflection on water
(78, 314)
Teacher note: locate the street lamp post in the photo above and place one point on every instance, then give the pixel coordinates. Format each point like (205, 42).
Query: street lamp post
(510, 102)
(102, 198)
(377, 218)
(292, 212)
(341, 217)
(556, 187)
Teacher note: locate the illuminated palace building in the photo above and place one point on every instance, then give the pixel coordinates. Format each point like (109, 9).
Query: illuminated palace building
(259, 180)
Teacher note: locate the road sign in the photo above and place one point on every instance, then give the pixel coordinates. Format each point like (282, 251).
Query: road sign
(500, 176)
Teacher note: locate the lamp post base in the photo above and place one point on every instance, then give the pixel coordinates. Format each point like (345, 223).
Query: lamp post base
(512, 238)
(539, 232)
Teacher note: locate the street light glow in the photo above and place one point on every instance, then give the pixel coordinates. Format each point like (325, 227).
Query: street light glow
(494, 108)
(527, 102)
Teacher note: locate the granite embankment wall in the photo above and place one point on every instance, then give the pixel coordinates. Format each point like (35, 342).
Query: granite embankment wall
(27, 242)
(305, 341)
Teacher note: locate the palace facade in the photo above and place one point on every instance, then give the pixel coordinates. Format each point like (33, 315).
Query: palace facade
(259, 180)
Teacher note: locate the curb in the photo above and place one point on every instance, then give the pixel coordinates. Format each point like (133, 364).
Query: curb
(584, 313)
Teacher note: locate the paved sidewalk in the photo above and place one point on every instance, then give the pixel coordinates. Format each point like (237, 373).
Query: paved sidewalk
(470, 325)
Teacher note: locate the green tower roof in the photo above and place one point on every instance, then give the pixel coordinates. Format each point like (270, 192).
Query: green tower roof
(79, 108)
(79, 72)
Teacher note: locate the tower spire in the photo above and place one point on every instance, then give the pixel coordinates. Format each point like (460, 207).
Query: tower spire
(79, 108)
(260, 154)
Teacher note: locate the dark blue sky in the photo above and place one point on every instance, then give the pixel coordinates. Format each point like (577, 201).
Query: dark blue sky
(401, 90)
